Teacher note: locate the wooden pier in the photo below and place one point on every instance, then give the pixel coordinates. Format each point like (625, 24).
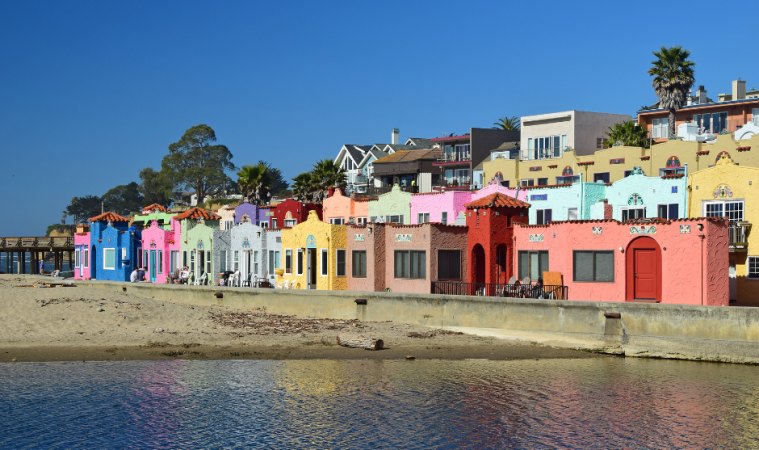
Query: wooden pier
(38, 247)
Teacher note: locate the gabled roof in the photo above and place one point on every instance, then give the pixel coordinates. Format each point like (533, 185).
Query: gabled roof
(418, 142)
(377, 154)
(497, 199)
(197, 213)
(411, 155)
(109, 217)
(154, 207)
(356, 152)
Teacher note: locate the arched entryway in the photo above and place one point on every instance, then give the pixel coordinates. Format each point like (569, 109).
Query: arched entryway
(501, 266)
(94, 265)
(644, 270)
(479, 265)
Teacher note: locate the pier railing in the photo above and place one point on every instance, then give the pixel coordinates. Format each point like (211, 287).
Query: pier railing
(37, 242)
(554, 292)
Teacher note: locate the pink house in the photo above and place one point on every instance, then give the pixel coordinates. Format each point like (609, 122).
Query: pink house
(682, 261)
(82, 252)
(156, 252)
(494, 186)
(338, 209)
(439, 207)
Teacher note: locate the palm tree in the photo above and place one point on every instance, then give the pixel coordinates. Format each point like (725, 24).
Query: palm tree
(254, 182)
(673, 78)
(506, 123)
(302, 186)
(326, 174)
(627, 133)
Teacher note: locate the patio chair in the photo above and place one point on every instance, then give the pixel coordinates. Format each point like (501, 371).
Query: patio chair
(55, 273)
(246, 283)
(201, 281)
(512, 288)
(525, 288)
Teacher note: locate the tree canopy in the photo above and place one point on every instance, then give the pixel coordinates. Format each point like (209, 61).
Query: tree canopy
(195, 163)
(83, 208)
(508, 123)
(627, 133)
(155, 187)
(673, 77)
(254, 182)
(124, 199)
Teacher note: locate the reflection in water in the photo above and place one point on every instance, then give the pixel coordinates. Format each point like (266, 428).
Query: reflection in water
(595, 403)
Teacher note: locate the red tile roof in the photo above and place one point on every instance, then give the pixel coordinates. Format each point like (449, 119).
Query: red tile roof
(197, 213)
(365, 199)
(109, 217)
(155, 207)
(497, 199)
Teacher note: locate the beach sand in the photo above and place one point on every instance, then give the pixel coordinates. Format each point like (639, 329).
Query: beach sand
(85, 324)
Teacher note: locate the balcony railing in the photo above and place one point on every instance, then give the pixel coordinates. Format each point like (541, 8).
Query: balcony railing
(374, 191)
(535, 291)
(540, 153)
(454, 157)
(454, 182)
(361, 179)
(738, 233)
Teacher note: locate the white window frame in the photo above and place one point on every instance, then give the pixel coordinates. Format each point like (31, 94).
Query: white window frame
(724, 203)
(299, 262)
(209, 262)
(630, 208)
(105, 258)
(337, 220)
(86, 258)
(77, 258)
(265, 224)
(755, 116)
(749, 276)
(526, 182)
(543, 212)
(236, 261)
(388, 219)
(360, 220)
(422, 217)
(667, 205)
(324, 269)
(255, 262)
(569, 214)
(289, 223)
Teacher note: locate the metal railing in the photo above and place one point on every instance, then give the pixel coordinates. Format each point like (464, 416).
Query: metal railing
(738, 233)
(454, 157)
(454, 182)
(536, 291)
(374, 191)
(27, 242)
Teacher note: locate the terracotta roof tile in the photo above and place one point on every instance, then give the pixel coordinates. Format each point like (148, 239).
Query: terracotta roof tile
(673, 175)
(197, 213)
(497, 199)
(154, 207)
(109, 217)
(365, 199)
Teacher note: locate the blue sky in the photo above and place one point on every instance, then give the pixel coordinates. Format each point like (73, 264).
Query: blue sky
(92, 92)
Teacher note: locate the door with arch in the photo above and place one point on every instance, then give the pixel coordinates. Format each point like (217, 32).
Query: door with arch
(644, 270)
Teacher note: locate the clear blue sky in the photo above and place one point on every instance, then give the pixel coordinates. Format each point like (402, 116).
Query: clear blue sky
(92, 92)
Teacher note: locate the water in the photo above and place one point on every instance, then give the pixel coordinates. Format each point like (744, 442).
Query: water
(49, 265)
(597, 403)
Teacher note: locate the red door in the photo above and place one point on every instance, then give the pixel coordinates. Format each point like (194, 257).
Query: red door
(645, 273)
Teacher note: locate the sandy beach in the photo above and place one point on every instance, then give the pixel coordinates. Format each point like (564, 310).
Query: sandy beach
(78, 323)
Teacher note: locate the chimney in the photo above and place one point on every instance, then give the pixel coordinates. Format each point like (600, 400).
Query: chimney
(396, 131)
(701, 95)
(739, 89)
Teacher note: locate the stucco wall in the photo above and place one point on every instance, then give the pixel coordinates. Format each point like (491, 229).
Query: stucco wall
(559, 199)
(81, 243)
(395, 202)
(337, 206)
(118, 239)
(222, 241)
(227, 214)
(361, 208)
(248, 240)
(155, 238)
(492, 188)
(683, 266)
(246, 208)
(200, 238)
(590, 126)
(494, 228)
(372, 240)
(649, 192)
(435, 203)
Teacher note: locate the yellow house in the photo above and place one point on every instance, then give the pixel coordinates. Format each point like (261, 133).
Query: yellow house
(612, 164)
(315, 255)
(726, 190)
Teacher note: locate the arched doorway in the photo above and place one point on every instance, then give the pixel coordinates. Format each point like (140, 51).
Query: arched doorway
(644, 270)
(501, 267)
(94, 265)
(478, 264)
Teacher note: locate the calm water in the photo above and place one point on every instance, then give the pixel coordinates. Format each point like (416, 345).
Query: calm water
(49, 265)
(599, 403)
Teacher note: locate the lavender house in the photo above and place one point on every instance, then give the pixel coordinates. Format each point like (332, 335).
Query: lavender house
(246, 213)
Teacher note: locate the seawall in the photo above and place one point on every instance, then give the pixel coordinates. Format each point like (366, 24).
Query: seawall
(706, 333)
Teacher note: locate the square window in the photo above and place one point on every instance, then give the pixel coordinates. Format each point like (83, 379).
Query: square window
(593, 266)
(532, 264)
(340, 262)
(422, 218)
(753, 266)
(410, 264)
(359, 263)
(543, 216)
(449, 264)
(109, 258)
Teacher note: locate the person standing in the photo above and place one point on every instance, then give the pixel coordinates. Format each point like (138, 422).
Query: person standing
(42, 266)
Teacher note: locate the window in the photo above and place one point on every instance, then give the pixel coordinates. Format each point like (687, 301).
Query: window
(569, 179)
(160, 262)
(109, 258)
(184, 258)
(733, 210)
(300, 261)
(264, 224)
(361, 220)
(274, 262)
(410, 264)
(86, 259)
(593, 266)
(77, 257)
(527, 182)
(542, 181)
(174, 260)
(633, 213)
(668, 211)
(660, 128)
(755, 116)
(719, 122)
(671, 171)
(571, 213)
(373, 219)
(337, 221)
(325, 262)
(228, 224)
(600, 144)
(394, 219)
(532, 264)
(627, 173)
(123, 253)
(255, 262)
(545, 147)
(422, 217)
(543, 216)
(192, 261)
(236, 264)
(449, 264)
(209, 261)
(753, 264)
(505, 183)
(359, 263)
(289, 223)
(274, 223)
(444, 217)
(223, 261)
(340, 263)
(603, 177)
(288, 261)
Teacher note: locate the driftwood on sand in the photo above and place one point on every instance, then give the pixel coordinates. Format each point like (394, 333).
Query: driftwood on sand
(358, 341)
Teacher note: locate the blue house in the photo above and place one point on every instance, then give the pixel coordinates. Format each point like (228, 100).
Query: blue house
(114, 247)
(639, 196)
(563, 201)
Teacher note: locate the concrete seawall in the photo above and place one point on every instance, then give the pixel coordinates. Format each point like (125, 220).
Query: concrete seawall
(707, 333)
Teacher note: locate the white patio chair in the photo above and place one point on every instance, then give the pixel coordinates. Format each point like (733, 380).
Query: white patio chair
(201, 281)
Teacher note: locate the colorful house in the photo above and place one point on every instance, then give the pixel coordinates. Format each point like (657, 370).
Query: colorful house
(339, 209)
(226, 217)
(726, 190)
(441, 207)
(292, 212)
(494, 185)
(272, 254)
(246, 213)
(366, 257)
(114, 248)
(157, 255)
(197, 244)
(490, 248)
(315, 255)
(682, 261)
(641, 196)
(265, 214)
(393, 206)
(563, 201)
(152, 213)
(82, 252)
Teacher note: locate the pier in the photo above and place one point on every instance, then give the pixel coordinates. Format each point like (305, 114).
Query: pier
(37, 247)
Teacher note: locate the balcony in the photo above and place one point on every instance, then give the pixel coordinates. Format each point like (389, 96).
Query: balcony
(540, 153)
(456, 183)
(361, 179)
(453, 159)
(374, 191)
(738, 233)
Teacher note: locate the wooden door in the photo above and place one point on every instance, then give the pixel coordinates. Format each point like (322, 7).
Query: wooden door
(645, 273)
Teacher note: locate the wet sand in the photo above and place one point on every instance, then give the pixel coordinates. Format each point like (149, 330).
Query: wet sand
(85, 324)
